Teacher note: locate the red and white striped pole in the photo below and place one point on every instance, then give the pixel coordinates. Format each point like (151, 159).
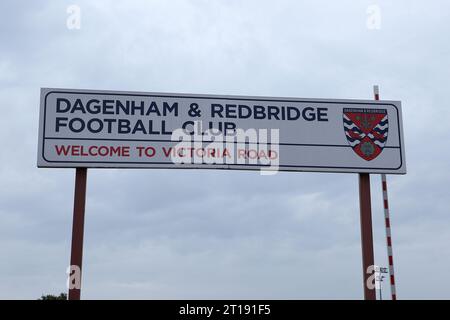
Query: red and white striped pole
(387, 220)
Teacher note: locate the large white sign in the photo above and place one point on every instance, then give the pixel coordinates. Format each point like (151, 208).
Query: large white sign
(89, 128)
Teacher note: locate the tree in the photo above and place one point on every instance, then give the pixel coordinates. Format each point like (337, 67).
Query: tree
(62, 296)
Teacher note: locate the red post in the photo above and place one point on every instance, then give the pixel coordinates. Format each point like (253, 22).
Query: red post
(365, 209)
(76, 256)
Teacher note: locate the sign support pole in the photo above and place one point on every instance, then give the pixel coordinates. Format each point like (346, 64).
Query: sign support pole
(76, 256)
(365, 209)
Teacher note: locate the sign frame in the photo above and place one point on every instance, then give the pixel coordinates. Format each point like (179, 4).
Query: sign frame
(46, 163)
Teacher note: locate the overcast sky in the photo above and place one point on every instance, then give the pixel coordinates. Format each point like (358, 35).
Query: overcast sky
(185, 234)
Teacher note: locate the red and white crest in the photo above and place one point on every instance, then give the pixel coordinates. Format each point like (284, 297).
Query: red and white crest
(366, 131)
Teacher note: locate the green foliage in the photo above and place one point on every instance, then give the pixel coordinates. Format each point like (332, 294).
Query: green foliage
(62, 296)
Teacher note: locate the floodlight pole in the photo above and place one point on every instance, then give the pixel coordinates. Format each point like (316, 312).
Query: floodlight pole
(76, 256)
(381, 287)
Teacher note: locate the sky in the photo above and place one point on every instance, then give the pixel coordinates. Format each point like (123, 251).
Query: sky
(205, 234)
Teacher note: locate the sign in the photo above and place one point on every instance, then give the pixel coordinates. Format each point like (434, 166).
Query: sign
(89, 128)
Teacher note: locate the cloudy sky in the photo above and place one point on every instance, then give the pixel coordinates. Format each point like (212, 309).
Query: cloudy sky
(225, 234)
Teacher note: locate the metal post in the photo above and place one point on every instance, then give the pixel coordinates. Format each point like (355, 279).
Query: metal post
(76, 256)
(387, 220)
(381, 288)
(365, 209)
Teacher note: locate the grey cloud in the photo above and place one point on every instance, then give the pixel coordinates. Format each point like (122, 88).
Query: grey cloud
(213, 234)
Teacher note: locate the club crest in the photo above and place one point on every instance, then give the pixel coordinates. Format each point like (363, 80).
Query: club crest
(366, 131)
